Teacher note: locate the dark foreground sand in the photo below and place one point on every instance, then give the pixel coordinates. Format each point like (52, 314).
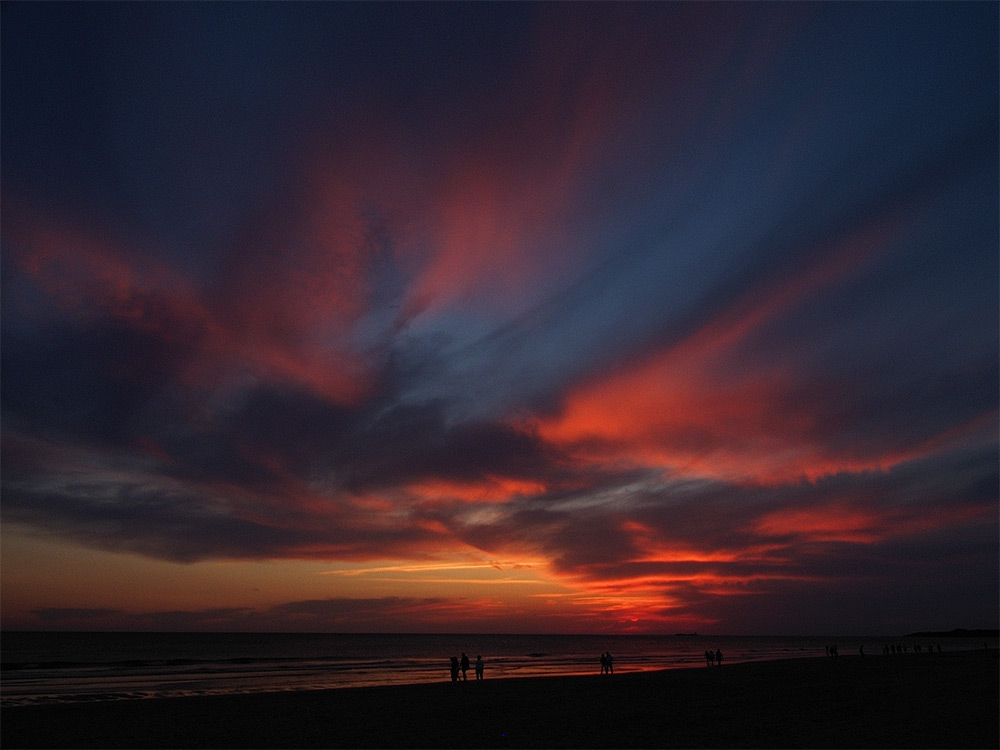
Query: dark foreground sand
(910, 701)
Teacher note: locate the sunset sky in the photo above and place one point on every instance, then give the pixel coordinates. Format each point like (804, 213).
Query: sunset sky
(498, 317)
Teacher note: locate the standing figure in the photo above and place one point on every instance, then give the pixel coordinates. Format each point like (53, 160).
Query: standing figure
(479, 667)
(454, 669)
(611, 668)
(718, 657)
(465, 665)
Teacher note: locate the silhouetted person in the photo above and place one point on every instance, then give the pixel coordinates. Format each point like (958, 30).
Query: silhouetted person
(718, 657)
(604, 663)
(709, 658)
(465, 665)
(861, 650)
(454, 669)
(611, 667)
(479, 667)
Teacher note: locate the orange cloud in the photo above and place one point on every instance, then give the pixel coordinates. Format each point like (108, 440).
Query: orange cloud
(697, 408)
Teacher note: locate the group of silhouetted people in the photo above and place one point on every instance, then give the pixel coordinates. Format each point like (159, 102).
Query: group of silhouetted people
(893, 649)
(463, 666)
(607, 666)
(713, 657)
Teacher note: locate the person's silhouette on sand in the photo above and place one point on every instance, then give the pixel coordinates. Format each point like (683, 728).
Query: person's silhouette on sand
(454, 669)
(611, 667)
(479, 667)
(718, 657)
(709, 658)
(604, 663)
(465, 665)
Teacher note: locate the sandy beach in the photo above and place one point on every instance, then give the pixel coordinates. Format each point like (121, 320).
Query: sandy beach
(912, 701)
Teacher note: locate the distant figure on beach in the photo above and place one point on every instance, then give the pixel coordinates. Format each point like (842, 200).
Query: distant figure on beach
(604, 663)
(479, 667)
(454, 669)
(465, 665)
(611, 667)
(861, 650)
(709, 658)
(718, 657)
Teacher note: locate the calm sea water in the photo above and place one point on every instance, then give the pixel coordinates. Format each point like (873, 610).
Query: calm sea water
(67, 667)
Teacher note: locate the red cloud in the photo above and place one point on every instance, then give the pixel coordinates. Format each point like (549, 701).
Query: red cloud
(860, 525)
(487, 489)
(699, 407)
(271, 330)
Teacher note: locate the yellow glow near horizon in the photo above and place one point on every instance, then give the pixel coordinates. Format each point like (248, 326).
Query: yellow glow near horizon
(42, 573)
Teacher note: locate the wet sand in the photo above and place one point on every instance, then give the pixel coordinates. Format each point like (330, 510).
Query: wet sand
(909, 701)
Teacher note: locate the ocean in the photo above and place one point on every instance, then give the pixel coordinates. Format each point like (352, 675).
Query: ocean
(45, 667)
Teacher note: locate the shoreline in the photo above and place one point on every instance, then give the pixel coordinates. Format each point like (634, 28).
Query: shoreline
(912, 700)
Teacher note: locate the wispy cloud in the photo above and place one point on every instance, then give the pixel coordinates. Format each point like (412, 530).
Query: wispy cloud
(640, 316)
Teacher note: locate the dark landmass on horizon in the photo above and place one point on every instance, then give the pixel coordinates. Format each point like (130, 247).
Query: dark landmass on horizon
(956, 633)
